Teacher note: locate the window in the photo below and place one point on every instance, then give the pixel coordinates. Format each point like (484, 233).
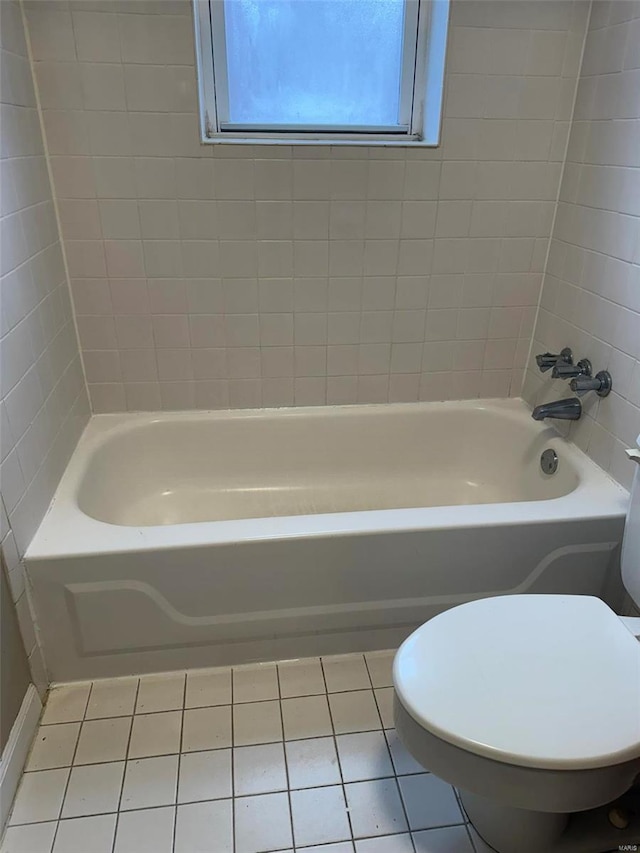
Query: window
(360, 71)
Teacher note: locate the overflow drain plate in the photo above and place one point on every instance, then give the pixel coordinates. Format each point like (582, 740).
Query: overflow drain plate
(549, 461)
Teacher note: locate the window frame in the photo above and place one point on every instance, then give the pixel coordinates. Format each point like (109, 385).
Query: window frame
(422, 67)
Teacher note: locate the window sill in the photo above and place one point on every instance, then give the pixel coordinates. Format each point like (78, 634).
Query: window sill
(361, 142)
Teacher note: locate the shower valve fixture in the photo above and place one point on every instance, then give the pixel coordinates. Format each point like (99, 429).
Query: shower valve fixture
(600, 383)
(548, 360)
(569, 371)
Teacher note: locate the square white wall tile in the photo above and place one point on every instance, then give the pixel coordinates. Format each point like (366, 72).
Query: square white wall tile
(125, 131)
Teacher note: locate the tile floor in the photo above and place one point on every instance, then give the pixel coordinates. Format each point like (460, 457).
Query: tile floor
(298, 755)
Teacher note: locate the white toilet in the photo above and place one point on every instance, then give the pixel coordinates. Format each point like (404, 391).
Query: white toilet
(530, 706)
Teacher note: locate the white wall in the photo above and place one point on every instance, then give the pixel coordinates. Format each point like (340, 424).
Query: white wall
(43, 401)
(591, 295)
(215, 276)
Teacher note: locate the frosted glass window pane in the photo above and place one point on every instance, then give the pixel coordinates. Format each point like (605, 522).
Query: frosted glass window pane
(314, 62)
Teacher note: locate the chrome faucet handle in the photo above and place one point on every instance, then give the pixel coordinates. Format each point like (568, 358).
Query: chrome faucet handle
(568, 371)
(547, 360)
(600, 383)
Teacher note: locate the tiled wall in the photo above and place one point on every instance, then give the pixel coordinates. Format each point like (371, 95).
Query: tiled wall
(215, 276)
(591, 295)
(43, 402)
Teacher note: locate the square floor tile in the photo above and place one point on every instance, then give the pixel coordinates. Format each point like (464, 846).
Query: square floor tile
(306, 717)
(452, 839)
(312, 762)
(375, 808)
(403, 762)
(354, 712)
(53, 746)
(259, 769)
(257, 722)
(262, 823)
(429, 801)
(386, 844)
(340, 847)
(205, 776)
(301, 678)
(155, 734)
(384, 699)
(66, 704)
(255, 683)
(205, 828)
(345, 672)
(74, 835)
(206, 687)
(160, 693)
(113, 697)
(319, 816)
(29, 838)
(103, 740)
(380, 666)
(150, 782)
(364, 756)
(39, 796)
(206, 728)
(93, 789)
(147, 831)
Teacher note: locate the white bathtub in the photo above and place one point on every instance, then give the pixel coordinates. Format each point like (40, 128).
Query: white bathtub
(197, 539)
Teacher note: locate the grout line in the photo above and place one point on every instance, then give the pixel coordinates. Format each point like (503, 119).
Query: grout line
(177, 789)
(335, 746)
(221, 749)
(75, 750)
(286, 761)
(233, 777)
(124, 772)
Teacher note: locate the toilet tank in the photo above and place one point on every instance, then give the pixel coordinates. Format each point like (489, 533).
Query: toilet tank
(631, 539)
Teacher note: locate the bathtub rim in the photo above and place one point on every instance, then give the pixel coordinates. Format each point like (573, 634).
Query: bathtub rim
(66, 531)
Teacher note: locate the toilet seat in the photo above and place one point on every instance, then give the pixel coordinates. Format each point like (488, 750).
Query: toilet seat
(540, 681)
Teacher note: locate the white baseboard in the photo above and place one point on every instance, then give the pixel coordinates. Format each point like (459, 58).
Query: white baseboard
(17, 747)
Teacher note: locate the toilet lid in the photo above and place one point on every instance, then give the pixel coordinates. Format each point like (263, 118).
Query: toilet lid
(547, 681)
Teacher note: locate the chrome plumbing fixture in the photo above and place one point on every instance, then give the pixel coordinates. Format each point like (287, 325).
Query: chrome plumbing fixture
(549, 461)
(547, 360)
(601, 383)
(561, 410)
(568, 371)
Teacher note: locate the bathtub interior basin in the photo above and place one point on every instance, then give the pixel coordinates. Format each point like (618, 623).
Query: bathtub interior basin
(236, 465)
